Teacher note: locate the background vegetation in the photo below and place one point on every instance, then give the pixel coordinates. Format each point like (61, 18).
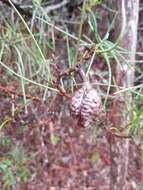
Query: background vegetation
(41, 146)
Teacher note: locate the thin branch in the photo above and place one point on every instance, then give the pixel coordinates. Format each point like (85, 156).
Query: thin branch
(10, 92)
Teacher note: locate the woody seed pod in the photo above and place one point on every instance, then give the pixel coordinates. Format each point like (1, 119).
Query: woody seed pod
(86, 104)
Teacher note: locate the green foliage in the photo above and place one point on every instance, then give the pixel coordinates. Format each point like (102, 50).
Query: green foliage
(136, 125)
(37, 2)
(5, 142)
(5, 164)
(13, 167)
(8, 179)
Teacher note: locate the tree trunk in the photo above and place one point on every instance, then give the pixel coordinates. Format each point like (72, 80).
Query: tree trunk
(123, 76)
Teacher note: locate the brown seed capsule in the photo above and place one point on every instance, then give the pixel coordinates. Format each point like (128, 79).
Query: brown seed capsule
(86, 104)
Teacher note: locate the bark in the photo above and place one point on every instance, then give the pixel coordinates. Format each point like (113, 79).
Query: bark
(123, 76)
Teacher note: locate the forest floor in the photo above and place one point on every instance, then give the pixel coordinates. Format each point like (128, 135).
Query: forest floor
(57, 153)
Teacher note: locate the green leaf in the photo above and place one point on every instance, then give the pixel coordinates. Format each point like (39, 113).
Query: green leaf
(92, 22)
(5, 164)
(3, 167)
(8, 179)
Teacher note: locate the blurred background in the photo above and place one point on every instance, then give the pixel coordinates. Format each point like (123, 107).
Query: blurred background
(42, 147)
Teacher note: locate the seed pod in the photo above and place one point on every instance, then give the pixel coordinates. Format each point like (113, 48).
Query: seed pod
(86, 104)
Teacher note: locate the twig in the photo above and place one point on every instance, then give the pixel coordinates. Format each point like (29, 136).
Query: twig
(119, 135)
(76, 69)
(9, 92)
